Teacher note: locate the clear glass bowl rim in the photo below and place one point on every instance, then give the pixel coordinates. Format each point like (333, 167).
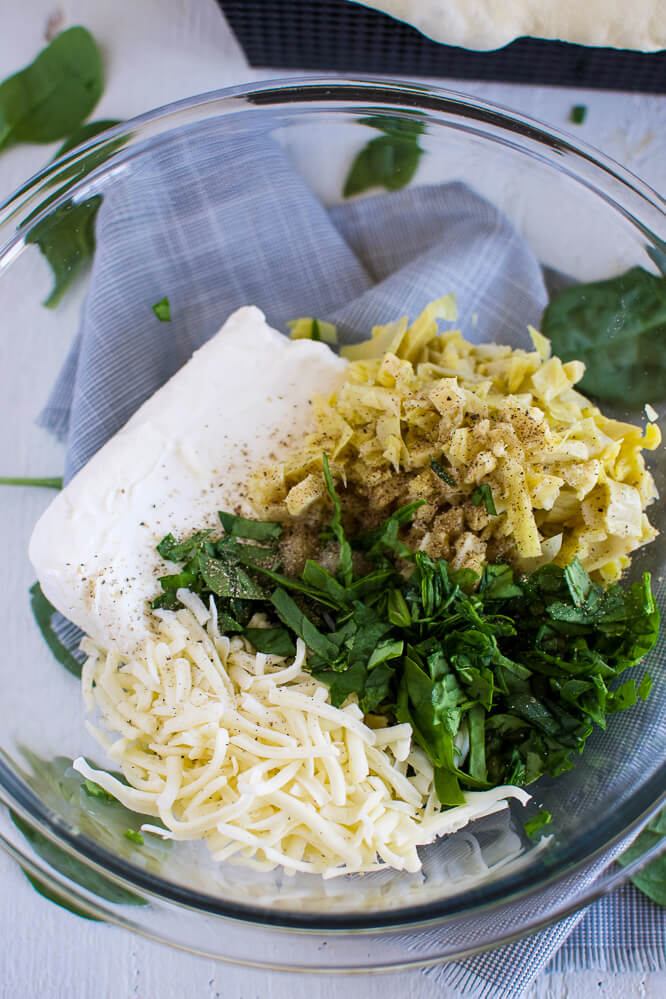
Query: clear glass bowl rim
(624, 192)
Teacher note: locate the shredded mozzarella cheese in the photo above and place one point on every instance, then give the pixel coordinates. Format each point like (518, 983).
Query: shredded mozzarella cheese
(246, 751)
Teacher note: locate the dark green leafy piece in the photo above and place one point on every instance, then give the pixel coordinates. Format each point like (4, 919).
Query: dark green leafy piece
(617, 328)
(392, 125)
(95, 791)
(43, 612)
(256, 530)
(344, 570)
(50, 98)
(442, 473)
(84, 133)
(51, 895)
(289, 612)
(385, 536)
(181, 551)
(74, 869)
(226, 578)
(483, 494)
(652, 879)
(389, 161)
(273, 641)
(162, 310)
(537, 822)
(578, 114)
(66, 238)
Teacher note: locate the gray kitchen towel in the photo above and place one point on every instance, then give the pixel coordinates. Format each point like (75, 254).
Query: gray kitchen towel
(216, 222)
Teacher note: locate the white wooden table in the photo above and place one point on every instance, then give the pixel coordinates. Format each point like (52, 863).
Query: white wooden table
(156, 51)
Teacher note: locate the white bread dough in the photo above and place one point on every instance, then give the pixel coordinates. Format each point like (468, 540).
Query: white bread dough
(490, 24)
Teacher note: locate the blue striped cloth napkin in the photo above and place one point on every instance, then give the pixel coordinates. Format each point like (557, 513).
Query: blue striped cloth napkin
(216, 222)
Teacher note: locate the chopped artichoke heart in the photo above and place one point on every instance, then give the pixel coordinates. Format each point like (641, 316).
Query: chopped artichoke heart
(304, 494)
(541, 343)
(422, 415)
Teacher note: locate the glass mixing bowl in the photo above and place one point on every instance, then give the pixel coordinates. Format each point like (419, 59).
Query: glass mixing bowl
(583, 216)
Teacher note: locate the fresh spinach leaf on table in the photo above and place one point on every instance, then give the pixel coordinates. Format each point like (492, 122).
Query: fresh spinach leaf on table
(652, 879)
(618, 329)
(66, 238)
(43, 612)
(50, 98)
(389, 161)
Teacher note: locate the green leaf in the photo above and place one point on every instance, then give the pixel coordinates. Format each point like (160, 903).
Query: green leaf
(476, 719)
(162, 310)
(66, 239)
(74, 869)
(397, 610)
(272, 641)
(389, 161)
(345, 569)
(652, 879)
(391, 648)
(320, 579)
(448, 788)
(392, 125)
(497, 583)
(441, 472)
(55, 483)
(291, 615)
(84, 133)
(617, 328)
(43, 612)
(483, 494)
(386, 535)
(50, 98)
(95, 791)
(256, 530)
(182, 551)
(537, 822)
(227, 579)
(578, 581)
(53, 896)
(578, 114)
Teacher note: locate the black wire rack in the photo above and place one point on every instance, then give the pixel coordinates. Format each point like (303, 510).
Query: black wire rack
(336, 35)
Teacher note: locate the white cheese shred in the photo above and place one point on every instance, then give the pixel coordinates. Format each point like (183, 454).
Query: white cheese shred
(246, 751)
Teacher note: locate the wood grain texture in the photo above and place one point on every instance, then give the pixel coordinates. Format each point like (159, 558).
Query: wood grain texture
(156, 51)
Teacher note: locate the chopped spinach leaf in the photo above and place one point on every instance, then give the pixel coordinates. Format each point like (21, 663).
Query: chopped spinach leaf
(651, 880)
(578, 114)
(273, 641)
(175, 551)
(617, 328)
(344, 570)
(441, 472)
(84, 133)
(537, 822)
(162, 310)
(43, 612)
(483, 494)
(257, 530)
(66, 238)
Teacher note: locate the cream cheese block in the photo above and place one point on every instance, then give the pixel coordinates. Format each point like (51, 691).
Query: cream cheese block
(241, 401)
